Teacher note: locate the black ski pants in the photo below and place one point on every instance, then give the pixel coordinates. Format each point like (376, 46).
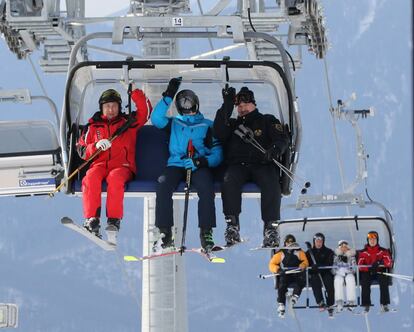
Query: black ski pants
(365, 279)
(316, 284)
(295, 279)
(201, 181)
(267, 179)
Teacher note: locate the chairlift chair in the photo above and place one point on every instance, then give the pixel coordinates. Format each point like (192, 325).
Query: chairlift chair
(336, 226)
(87, 80)
(30, 158)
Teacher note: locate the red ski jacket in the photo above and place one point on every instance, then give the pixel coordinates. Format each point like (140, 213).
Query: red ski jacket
(370, 255)
(122, 151)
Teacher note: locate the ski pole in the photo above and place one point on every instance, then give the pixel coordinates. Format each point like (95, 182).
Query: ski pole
(398, 276)
(247, 136)
(308, 245)
(190, 153)
(118, 132)
(273, 275)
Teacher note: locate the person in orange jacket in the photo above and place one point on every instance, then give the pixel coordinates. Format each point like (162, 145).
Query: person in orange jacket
(290, 258)
(378, 259)
(116, 163)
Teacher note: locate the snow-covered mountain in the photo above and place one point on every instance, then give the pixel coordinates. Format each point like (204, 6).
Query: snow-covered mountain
(61, 282)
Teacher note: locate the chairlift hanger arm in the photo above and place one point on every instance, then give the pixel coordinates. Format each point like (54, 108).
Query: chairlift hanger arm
(219, 22)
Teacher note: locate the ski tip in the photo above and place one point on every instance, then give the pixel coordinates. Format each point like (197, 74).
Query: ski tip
(131, 259)
(218, 260)
(66, 220)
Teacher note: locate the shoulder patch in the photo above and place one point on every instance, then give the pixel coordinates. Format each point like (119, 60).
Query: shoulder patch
(278, 127)
(258, 132)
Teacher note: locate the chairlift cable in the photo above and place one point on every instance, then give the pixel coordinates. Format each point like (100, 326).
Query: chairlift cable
(335, 133)
(133, 291)
(367, 324)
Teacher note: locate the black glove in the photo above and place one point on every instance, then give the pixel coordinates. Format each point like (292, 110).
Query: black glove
(374, 267)
(172, 88)
(282, 272)
(342, 258)
(315, 268)
(229, 94)
(272, 153)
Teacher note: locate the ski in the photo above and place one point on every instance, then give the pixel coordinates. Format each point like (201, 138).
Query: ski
(112, 234)
(390, 311)
(291, 309)
(209, 256)
(151, 256)
(226, 246)
(105, 245)
(273, 248)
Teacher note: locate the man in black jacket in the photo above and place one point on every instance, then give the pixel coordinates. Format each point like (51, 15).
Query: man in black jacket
(324, 257)
(246, 163)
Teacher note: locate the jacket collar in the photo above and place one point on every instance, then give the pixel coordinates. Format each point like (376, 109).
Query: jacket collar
(250, 117)
(98, 117)
(196, 118)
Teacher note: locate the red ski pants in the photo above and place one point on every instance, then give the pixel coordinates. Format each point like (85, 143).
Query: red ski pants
(92, 188)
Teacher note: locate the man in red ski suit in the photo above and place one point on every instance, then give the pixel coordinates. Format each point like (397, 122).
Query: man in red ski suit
(379, 259)
(116, 162)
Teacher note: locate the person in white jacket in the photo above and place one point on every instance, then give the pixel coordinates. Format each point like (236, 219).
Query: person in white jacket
(344, 270)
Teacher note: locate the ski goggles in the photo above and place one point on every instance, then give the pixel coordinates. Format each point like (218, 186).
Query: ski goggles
(318, 238)
(372, 236)
(342, 243)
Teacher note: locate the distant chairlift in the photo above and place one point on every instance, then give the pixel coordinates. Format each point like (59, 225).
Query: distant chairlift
(87, 80)
(30, 158)
(329, 217)
(9, 313)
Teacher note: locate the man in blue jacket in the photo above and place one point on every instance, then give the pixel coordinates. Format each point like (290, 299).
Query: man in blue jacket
(188, 125)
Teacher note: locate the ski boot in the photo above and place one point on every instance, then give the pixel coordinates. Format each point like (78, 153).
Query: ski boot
(281, 310)
(167, 239)
(366, 309)
(322, 306)
(384, 308)
(293, 11)
(294, 299)
(351, 306)
(92, 225)
(112, 229)
(113, 224)
(339, 306)
(270, 235)
(232, 233)
(330, 312)
(206, 239)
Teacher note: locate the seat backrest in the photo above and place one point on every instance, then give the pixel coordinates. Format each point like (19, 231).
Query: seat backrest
(151, 153)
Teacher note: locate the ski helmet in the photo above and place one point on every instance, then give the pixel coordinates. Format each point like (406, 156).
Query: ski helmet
(289, 238)
(319, 236)
(186, 102)
(372, 235)
(108, 96)
(342, 242)
(245, 96)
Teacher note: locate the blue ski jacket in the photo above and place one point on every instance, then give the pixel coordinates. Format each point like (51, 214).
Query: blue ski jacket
(181, 128)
